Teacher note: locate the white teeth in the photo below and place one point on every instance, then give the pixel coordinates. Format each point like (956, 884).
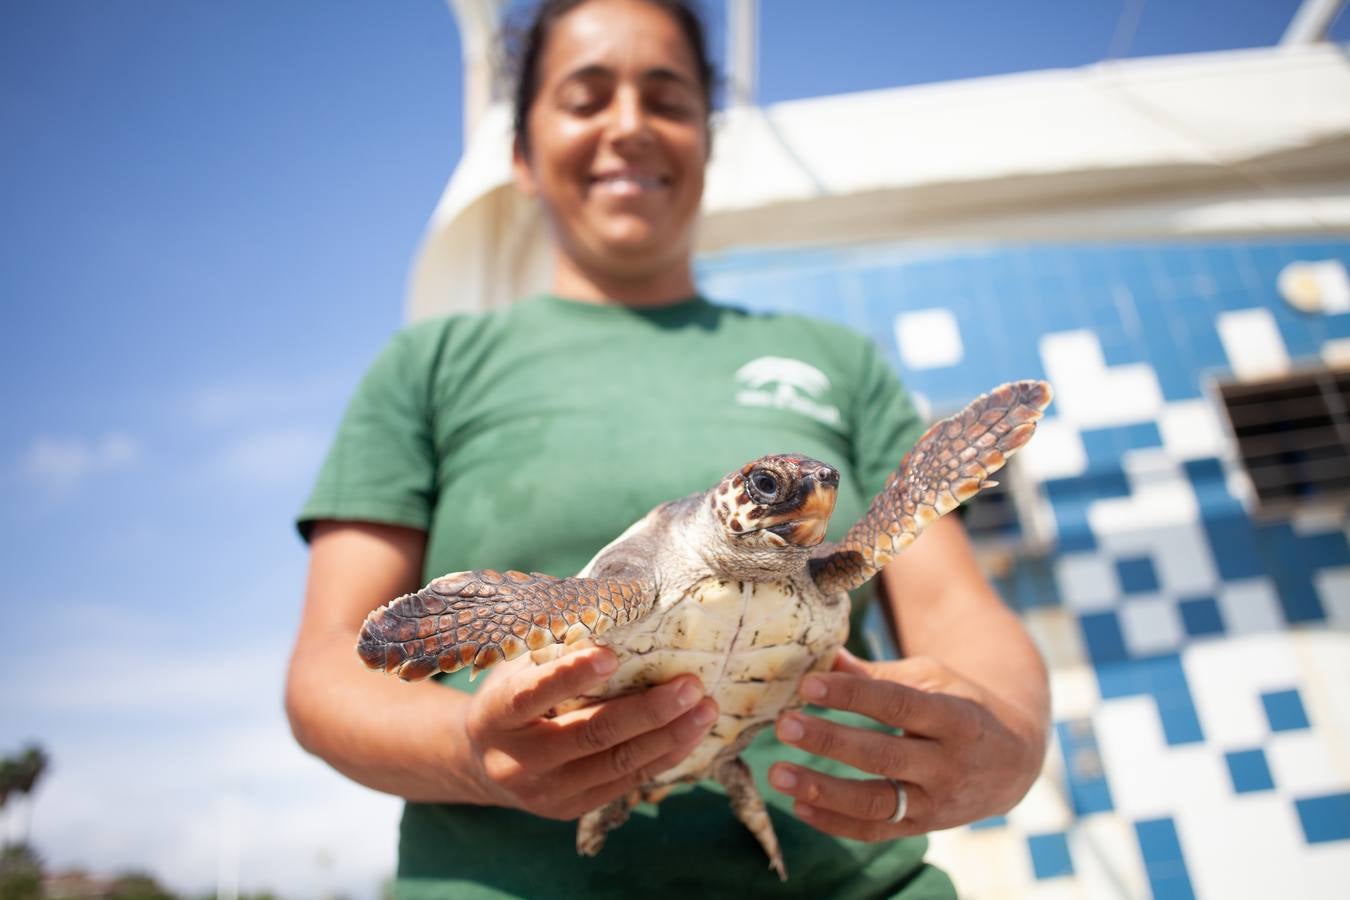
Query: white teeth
(628, 184)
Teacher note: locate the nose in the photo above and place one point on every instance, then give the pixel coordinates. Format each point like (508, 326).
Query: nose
(827, 475)
(629, 117)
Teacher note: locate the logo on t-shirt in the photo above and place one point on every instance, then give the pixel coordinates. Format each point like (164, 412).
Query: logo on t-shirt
(782, 383)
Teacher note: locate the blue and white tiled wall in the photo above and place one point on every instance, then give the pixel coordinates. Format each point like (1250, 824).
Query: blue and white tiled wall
(1200, 658)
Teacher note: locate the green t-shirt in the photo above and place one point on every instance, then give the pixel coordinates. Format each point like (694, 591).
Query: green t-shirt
(528, 438)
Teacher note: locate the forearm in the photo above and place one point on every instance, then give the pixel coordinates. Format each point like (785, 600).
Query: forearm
(982, 639)
(403, 739)
(944, 608)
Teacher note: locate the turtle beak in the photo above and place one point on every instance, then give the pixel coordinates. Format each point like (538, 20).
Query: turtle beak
(805, 526)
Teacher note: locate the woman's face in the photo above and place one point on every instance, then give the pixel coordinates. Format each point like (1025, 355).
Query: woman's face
(617, 138)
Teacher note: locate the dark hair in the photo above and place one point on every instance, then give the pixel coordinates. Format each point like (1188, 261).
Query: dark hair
(526, 45)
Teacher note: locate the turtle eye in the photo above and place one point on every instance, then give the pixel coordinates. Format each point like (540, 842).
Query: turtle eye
(765, 485)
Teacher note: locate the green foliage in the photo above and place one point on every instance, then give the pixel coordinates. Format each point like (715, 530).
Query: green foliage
(20, 873)
(138, 886)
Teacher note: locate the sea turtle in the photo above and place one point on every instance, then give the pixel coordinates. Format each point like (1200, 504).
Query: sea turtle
(732, 585)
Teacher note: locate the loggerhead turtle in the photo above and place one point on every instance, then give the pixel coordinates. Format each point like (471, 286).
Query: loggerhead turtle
(732, 585)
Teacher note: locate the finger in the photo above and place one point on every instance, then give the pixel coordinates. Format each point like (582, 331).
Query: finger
(844, 825)
(897, 705)
(871, 800)
(891, 756)
(524, 696)
(607, 724)
(849, 664)
(637, 757)
(598, 796)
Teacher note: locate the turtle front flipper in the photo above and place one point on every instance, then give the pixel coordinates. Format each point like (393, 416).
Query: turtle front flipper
(950, 464)
(483, 617)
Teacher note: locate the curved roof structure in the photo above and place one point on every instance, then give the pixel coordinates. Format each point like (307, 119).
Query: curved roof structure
(1242, 142)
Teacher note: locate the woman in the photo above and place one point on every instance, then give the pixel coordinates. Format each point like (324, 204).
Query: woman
(528, 438)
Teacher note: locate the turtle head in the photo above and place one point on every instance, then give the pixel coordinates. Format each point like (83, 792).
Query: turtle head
(775, 502)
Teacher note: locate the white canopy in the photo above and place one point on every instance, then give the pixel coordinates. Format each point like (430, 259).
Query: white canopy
(1243, 142)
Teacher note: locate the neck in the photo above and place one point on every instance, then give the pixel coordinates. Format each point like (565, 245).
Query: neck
(647, 290)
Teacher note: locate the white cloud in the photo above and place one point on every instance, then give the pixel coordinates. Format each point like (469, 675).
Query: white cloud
(171, 753)
(248, 401)
(60, 464)
(274, 457)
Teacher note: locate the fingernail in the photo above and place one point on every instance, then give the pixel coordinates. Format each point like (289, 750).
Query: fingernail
(783, 779)
(705, 715)
(790, 729)
(813, 689)
(604, 663)
(688, 695)
(805, 812)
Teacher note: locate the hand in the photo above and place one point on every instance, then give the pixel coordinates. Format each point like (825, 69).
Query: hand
(562, 767)
(964, 755)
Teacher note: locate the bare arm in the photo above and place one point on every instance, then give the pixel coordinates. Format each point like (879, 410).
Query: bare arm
(970, 698)
(399, 738)
(430, 743)
(946, 610)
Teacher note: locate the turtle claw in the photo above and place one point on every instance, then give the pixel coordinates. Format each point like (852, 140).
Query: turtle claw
(478, 619)
(950, 464)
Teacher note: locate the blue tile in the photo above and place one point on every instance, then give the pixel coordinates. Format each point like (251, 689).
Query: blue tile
(1180, 720)
(1324, 818)
(1162, 678)
(1201, 617)
(1088, 790)
(1249, 770)
(990, 823)
(1137, 575)
(1163, 860)
(1103, 636)
(1233, 542)
(1284, 710)
(1050, 855)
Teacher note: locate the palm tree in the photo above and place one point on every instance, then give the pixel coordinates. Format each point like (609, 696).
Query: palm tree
(29, 769)
(19, 775)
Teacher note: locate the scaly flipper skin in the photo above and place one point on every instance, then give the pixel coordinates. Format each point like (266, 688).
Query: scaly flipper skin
(950, 464)
(483, 617)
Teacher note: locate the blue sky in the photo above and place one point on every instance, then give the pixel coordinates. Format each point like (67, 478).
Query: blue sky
(209, 213)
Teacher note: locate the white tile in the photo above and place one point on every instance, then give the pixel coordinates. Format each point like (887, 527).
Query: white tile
(1090, 394)
(928, 338)
(1318, 521)
(1191, 429)
(1301, 762)
(1321, 286)
(1325, 657)
(1057, 635)
(1336, 352)
(1253, 343)
(1046, 805)
(1057, 451)
(1250, 606)
(1130, 740)
(1227, 678)
(1249, 847)
(1088, 582)
(1150, 625)
(1183, 560)
(1073, 692)
(1333, 589)
(986, 864)
(1106, 858)
(1161, 496)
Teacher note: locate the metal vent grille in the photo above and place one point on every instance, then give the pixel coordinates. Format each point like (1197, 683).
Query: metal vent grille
(1293, 438)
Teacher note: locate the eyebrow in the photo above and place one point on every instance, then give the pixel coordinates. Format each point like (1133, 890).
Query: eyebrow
(658, 73)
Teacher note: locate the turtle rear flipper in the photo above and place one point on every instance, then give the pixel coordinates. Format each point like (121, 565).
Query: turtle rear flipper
(483, 617)
(950, 464)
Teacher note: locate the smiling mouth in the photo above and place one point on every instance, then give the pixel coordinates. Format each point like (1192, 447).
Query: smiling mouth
(627, 184)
